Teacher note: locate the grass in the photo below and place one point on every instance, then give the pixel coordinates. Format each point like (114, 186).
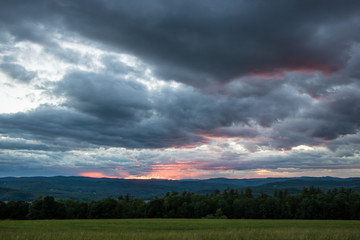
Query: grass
(179, 229)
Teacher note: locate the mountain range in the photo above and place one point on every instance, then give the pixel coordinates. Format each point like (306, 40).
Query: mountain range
(85, 188)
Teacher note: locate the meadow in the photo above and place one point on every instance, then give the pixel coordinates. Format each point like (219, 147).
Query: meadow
(179, 229)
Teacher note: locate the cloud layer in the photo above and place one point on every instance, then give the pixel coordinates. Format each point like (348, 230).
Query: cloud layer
(241, 88)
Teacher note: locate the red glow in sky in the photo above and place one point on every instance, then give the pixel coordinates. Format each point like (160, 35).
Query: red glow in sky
(279, 73)
(95, 175)
(173, 171)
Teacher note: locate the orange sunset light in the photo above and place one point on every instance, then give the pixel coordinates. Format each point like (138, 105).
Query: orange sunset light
(95, 175)
(174, 171)
(171, 171)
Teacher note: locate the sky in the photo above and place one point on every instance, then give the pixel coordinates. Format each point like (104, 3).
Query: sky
(180, 89)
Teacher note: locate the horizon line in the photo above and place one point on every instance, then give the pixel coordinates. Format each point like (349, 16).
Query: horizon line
(184, 179)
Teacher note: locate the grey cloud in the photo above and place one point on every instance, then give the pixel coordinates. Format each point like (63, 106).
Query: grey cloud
(235, 131)
(231, 43)
(103, 110)
(49, 125)
(293, 132)
(296, 160)
(11, 144)
(340, 112)
(197, 42)
(334, 116)
(220, 41)
(68, 55)
(115, 66)
(215, 114)
(345, 146)
(33, 163)
(17, 72)
(190, 108)
(352, 70)
(105, 96)
(279, 104)
(253, 87)
(73, 130)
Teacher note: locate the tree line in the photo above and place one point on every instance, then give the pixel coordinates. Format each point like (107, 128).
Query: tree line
(311, 203)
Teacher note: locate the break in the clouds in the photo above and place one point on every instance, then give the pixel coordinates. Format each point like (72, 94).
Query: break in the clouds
(180, 89)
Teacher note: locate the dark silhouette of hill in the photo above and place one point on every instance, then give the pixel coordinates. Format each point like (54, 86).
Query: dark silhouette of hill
(84, 188)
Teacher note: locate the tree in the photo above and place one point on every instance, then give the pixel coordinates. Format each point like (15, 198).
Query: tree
(3, 210)
(16, 209)
(154, 208)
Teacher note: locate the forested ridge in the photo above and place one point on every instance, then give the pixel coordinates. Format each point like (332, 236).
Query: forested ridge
(311, 203)
(87, 189)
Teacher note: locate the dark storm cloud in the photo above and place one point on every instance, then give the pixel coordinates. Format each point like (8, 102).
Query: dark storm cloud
(11, 144)
(33, 163)
(228, 114)
(104, 110)
(101, 110)
(191, 109)
(345, 146)
(17, 72)
(275, 105)
(198, 41)
(239, 131)
(341, 113)
(246, 47)
(223, 40)
(334, 116)
(48, 125)
(352, 70)
(74, 130)
(104, 96)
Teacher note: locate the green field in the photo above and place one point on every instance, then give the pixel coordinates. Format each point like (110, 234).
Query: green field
(152, 229)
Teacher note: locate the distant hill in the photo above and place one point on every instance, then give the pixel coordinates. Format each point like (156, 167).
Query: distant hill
(84, 188)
